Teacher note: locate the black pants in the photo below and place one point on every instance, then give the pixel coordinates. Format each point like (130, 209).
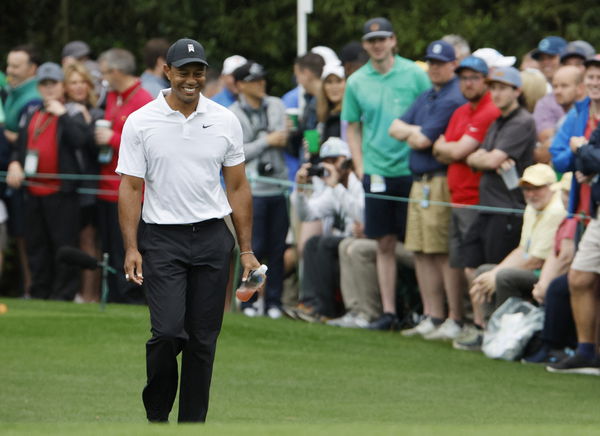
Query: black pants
(559, 326)
(491, 238)
(120, 290)
(321, 273)
(185, 268)
(52, 221)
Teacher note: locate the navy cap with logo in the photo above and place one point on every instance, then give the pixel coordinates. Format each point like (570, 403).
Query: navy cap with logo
(249, 72)
(551, 45)
(581, 49)
(377, 28)
(185, 51)
(440, 51)
(49, 71)
(473, 63)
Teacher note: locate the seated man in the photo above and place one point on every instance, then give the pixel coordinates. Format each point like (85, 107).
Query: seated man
(515, 274)
(338, 202)
(358, 280)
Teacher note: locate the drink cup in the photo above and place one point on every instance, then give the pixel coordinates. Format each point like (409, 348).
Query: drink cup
(312, 139)
(292, 114)
(510, 177)
(103, 124)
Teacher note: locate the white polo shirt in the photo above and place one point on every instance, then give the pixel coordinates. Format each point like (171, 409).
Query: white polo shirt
(180, 159)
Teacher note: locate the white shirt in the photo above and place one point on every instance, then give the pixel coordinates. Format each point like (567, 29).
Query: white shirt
(180, 159)
(326, 202)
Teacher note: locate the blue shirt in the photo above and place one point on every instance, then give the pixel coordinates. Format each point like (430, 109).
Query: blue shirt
(432, 111)
(225, 97)
(290, 98)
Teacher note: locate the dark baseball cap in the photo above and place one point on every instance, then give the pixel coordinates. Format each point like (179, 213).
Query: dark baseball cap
(185, 51)
(473, 63)
(249, 72)
(49, 71)
(582, 49)
(76, 49)
(594, 60)
(552, 45)
(377, 28)
(440, 51)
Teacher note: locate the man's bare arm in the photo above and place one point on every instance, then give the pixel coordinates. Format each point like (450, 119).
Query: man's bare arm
(130, 207)
(240, 200)
(354, 136)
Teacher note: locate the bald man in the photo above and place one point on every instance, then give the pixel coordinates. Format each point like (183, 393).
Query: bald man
(550, 110)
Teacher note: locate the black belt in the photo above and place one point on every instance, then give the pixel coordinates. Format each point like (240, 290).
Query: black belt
(428, 176)
(193, 226)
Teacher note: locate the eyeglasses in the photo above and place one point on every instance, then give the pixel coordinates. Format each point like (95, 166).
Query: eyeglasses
(471, 78)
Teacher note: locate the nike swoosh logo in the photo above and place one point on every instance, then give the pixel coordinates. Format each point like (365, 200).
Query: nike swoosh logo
(204, 126)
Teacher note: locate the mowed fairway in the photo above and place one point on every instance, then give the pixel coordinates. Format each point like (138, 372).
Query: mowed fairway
(69, 369)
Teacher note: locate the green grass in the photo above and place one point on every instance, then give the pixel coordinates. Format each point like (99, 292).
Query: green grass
(70, 369)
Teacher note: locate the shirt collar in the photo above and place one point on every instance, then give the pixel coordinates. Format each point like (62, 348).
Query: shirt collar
(202, 106)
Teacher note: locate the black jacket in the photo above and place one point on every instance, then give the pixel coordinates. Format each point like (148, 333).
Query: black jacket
(73, 136)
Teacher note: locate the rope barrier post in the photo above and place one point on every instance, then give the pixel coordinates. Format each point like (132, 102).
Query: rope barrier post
(105, 268)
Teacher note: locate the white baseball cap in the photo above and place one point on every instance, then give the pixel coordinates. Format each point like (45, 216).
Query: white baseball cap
(334, 147)
(328, 55)
(493, 58)
(336, 70)
(232, 63)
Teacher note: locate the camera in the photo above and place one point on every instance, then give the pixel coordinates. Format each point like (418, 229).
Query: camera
(317, 170)
(265, 169)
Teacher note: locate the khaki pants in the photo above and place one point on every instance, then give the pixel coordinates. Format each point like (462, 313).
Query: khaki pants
(358, 275)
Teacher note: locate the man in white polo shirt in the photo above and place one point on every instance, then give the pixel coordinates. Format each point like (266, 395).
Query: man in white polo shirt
(178, 144)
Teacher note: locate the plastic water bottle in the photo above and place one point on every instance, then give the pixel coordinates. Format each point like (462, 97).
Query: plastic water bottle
(254, 281)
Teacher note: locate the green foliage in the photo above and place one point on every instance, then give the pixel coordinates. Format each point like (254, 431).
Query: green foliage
(265, 30)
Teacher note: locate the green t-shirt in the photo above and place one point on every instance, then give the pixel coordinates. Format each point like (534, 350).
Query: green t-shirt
(376, 100)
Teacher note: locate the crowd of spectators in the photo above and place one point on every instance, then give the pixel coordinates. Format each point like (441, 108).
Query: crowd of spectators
(456, 181)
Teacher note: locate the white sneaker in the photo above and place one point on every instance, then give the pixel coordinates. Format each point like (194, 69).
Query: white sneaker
(274, 312)
(424, 327)
(447, 331)
(349, 320)
(250, 312)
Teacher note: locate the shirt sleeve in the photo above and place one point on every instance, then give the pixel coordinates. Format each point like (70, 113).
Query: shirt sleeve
(132, 158)
(435, 124)
(235, 153)
(410, 115)
(350, 108)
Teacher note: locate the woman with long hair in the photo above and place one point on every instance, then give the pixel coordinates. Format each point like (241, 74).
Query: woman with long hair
(81, 97)
(329, 102)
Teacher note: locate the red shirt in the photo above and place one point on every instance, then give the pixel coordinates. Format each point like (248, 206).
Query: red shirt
(41, 137)
(466, 120)
(118, 107)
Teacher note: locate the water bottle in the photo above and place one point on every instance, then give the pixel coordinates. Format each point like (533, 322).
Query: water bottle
(254, 281)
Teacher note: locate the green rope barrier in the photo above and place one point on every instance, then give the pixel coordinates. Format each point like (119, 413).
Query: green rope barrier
(269, 180)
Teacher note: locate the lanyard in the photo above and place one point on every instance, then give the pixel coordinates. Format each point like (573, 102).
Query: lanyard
(120, 102)
(37, 129)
